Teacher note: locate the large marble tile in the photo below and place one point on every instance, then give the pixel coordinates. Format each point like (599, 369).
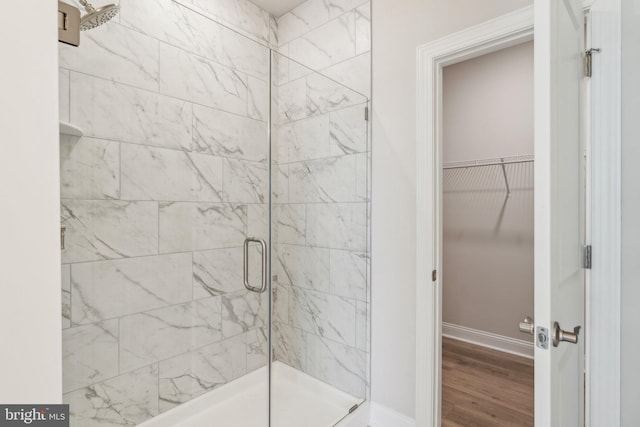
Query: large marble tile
(245, 181)
(243, 311)
(197, 79)
(201, 226)
(224, 134)
(191, 374)
(66, 296)
(323, 314)
(362, 326)
(323, 180)
(108, 110)
(349, 274)
(64, 94)
(280, 302)
(337, 225)
(109, 289)
(289, 345)
(363, 28)
(241, 15)
(117, 53)
(302, 19)
(326, 45)
(289, 101)
(258, 225)
(280, 187)
(289, 223)
(302, 266)
(258, 99)
(257, 348)
(309, 15)
(245, 55)
(348, 130)
(217, 272)
(304, 139)
(363, 177)
(325, 95)
(108, 229)
(89, 354)
(280, 65)
(339, 7)
(166, 332)
(89, 168)
(151, 173)
(127, 400)
(173, 23)
(273, 32)
(341, 366)
(354, 73)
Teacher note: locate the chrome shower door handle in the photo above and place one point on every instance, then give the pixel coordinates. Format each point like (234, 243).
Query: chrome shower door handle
(263, 245)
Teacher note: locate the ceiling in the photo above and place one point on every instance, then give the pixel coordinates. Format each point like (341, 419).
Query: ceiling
(277, 7)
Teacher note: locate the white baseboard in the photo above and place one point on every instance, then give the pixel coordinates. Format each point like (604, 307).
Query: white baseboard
(489, 340)
(381, 416)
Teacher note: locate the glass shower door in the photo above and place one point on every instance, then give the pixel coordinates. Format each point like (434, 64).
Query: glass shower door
(320, 247)
(158, 197)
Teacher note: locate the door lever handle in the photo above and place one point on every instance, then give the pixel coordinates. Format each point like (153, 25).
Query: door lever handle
(559, 335)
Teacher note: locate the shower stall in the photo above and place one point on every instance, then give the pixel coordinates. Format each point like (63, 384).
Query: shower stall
(215, 208)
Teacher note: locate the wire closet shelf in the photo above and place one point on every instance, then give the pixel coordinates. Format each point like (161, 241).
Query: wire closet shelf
(502, 163)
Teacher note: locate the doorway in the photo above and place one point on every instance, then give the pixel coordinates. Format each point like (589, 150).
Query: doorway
(488, 240)
(561, 190)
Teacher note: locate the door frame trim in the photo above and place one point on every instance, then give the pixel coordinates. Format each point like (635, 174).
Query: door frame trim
(603, 317)
(604, 294)
(499, 33)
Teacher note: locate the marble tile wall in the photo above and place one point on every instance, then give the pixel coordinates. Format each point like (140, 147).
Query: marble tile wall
(158, 197)
(172, 175)
(321, 252)
(329, 36)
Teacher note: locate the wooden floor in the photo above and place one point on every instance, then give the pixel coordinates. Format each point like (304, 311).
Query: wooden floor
(485, 388)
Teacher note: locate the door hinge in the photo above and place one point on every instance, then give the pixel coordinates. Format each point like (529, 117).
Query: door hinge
(588, 61)
(434, 275)
(366, 114)
(586, 257)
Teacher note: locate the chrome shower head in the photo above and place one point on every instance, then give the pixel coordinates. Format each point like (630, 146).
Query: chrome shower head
(96, 17)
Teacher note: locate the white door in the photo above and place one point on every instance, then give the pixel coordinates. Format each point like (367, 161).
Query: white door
(559, 211)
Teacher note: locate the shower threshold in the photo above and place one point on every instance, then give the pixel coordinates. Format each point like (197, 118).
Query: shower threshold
(298, 400)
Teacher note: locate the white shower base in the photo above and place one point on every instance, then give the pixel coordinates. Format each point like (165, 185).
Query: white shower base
(298, 400)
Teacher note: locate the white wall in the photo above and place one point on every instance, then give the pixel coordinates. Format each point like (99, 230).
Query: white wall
(399, 26)
(488, 105)
(488, 238)
(630, 351)
(30, 360)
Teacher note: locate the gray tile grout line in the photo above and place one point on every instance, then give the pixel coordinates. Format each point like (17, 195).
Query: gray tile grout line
(160, 94)
(205, 202)
(217, 108)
